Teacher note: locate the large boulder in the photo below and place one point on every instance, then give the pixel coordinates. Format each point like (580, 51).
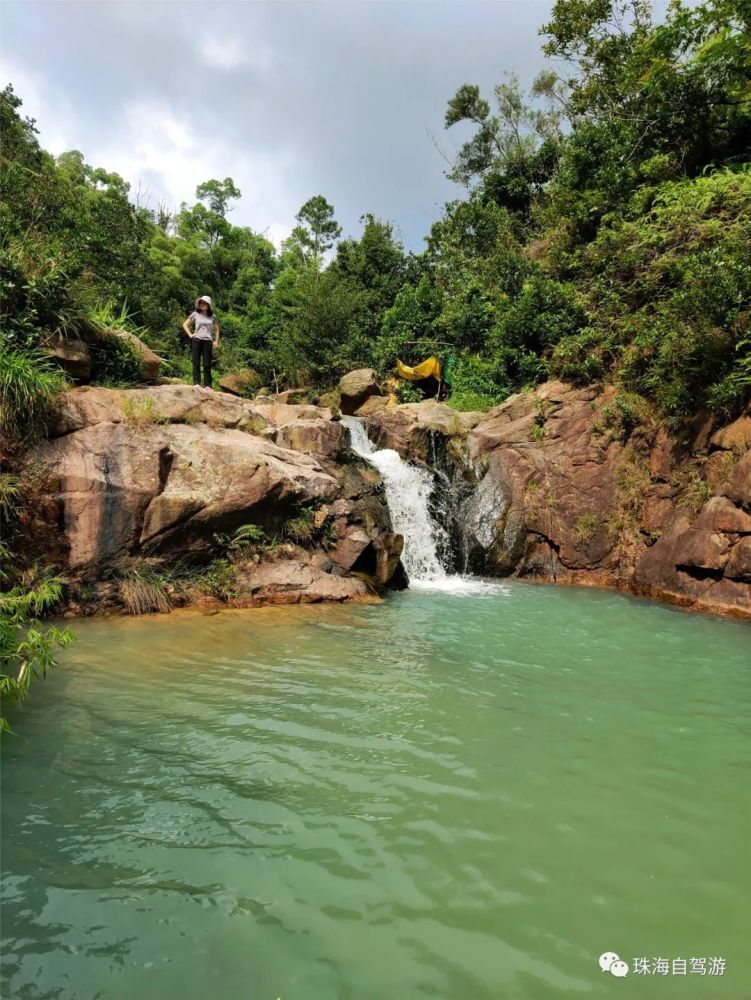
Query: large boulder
(296, 577)
(121, 489)
(357, 386)
(244, 383)
(161, 472)
(410, 428)
(150, 361)
(292, 396)
(73, 356)
(176, 404)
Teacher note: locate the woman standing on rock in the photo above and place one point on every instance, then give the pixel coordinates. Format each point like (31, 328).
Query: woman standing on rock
(203, 338)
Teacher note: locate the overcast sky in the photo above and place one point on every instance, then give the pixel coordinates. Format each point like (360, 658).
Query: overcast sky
(289, 99)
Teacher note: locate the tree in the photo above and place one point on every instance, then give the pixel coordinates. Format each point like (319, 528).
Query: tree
(313, 313)
(678, 89)
(318, 229)
(218, 194)
(507, 143)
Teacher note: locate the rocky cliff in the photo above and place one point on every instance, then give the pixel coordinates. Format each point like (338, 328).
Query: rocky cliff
(143, 480)
(561, 484)
(586, 486)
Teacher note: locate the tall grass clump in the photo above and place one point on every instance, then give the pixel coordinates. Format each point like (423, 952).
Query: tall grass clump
(29, 386)
(143, 589)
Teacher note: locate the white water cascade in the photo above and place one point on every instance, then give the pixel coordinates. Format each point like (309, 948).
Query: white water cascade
(408, 488)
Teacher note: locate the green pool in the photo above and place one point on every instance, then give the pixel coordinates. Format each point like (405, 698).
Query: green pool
(460, 796)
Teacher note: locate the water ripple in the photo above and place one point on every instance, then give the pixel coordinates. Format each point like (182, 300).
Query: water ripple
(437, 797)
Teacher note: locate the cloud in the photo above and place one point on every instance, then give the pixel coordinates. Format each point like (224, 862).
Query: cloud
(289, 99)
(170, 154)
(225, 53)
(52, 110)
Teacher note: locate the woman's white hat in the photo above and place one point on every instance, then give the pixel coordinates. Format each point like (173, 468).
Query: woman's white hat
(205, 298)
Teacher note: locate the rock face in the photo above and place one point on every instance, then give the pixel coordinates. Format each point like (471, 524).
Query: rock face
(567, 485)
(243, 383)
(73, 356)
(357, 386)
(560, 484)
(160, 472)
(412, 428)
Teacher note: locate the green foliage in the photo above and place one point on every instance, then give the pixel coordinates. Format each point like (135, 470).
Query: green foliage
(116, 362)
(247, 536)
(668, 293)
(10, 496)
(29, 386)
(312, 317)
(27, 649)
(141, 412)
(603, 236)
(584, 527)
(476, 383)
(318, 229)
(408, 392)
(514, 149)
(218, 579)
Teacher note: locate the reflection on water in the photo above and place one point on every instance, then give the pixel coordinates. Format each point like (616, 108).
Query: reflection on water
(443, 796)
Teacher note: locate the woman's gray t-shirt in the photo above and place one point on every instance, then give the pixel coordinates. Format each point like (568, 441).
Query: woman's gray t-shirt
(203, 326)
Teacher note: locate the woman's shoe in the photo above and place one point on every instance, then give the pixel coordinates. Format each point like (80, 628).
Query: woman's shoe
(208, 388)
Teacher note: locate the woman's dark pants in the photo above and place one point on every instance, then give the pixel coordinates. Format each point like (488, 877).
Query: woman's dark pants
(201, 349)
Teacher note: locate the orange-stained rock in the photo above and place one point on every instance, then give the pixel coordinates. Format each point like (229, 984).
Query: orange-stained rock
(738, 566)
(735, 437)
(549, 485)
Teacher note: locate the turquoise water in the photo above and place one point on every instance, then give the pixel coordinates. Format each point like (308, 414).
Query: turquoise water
(443, 796)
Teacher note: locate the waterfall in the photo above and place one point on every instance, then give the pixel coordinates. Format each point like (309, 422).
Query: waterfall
(408, 489)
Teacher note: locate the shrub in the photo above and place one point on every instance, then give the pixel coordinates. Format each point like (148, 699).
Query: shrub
(468, 401)
(668, 293)
(407, 392)
(581, 359)
(115, 362)
(544, 313)
(584, 527)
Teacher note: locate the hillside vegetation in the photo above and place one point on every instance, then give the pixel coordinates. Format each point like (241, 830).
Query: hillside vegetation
(604, 235)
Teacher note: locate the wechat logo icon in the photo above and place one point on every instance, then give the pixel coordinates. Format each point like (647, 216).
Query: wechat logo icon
(610, 962)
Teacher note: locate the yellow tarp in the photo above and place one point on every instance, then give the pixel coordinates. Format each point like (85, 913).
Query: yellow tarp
(424, 370)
